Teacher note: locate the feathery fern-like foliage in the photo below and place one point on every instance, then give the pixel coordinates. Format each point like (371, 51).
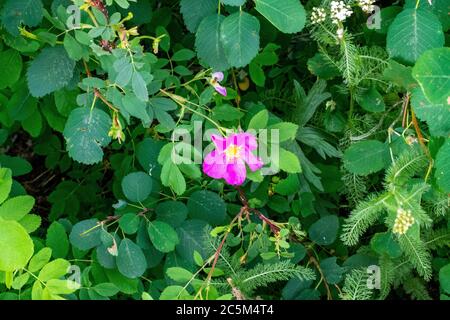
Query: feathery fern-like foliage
(405, 167)
(416, 289)
(360, 219)
(263, 274)
(355, 286)
(415, 249)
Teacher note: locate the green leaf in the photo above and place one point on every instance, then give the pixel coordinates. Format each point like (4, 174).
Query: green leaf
(366, 157)
(31, 222)
(371, 100)
(240, 38)
(227, 112)
(257, 73)
(208, 43)
(208, 206)
(73, 48)
(5, 183)
(40, 259)
(136, 107)
(17, 12)
(324, 231)
(16, 246)
(288, 16)
(183, 55)
(16, 208)
(175, 293)
(195, 11)
(85, 234)
(57, 286)
(51, 70)
(139, 86)
(443, 167)
(289, 162)
(323, 67)
(54, 270)
(432, 71)
(384, 243)
(437, 116)
(179, 274)
(172, 177)
(106, 289)
(86, 132)
(137, 186)
(444, 278)
(259, 120)
(286, 130)
(11, 62)
(57, 240)
(18, 166)
(172, 212)
(129, 223)
(163, 236)
(412, 33)
(131, 260)
(236, 3)
(400, 75)
(331, 270)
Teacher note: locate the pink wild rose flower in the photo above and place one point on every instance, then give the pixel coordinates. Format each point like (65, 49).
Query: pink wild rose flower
(227, 161)
(216, 78)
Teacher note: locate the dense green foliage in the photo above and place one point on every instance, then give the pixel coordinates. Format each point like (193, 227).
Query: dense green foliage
(98, 198)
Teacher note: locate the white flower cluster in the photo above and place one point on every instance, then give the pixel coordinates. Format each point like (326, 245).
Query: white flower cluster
(340, 11)
(403, 221)
(318, 15)
(366, 5)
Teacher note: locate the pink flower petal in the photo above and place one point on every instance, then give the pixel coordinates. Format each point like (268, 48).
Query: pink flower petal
(219, 141)
(235, 173)
(253, 162)
(214, 165)
(243, 139)
(218, 76)
(220, 89)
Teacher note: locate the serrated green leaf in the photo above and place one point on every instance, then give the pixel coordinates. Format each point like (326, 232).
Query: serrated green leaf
(11, 62)
(324, 231)
(131, 260)
(432, 71)
(412, 33)
(16, 208)
(195, 11)
(239, 33)
(137, 186)
(208, 206)
(288, 16)
(17, 12)
(16, 246)
(57, 240)
(208, 43)
(163, 236)
(366, 157)
(86, 132)
(51, 70)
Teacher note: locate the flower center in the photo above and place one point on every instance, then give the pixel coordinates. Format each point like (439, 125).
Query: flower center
(232, 152)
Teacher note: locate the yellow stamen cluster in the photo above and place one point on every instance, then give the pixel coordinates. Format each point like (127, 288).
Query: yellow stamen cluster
(403, 221)
(232, 152)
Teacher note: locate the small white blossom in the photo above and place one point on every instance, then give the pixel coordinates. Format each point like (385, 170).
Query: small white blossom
(340, 11)
(340, 33)
(367, 5)
(403, 221)
(318, 15)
